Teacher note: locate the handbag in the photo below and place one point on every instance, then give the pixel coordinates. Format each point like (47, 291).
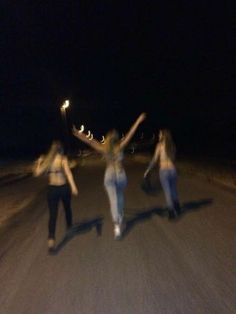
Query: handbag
(151, 183)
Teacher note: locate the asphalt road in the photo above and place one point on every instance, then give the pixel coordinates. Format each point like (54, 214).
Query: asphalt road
(187, 266)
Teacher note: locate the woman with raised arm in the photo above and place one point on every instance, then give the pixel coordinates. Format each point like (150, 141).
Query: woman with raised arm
(60, 186)
(115, 179)
(165, 155)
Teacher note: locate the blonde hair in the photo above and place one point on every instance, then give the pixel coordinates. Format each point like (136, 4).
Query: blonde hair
(56, 148)
(112, 139)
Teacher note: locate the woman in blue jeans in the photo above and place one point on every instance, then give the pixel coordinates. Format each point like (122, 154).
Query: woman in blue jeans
(165, 155)
(115, 179)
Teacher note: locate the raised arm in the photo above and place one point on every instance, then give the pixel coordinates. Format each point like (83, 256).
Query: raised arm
(154, 160)
(93, 143)
(132, 130)
(69, 176)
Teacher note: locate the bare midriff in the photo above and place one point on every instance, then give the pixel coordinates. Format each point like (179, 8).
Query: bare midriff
(56, 179)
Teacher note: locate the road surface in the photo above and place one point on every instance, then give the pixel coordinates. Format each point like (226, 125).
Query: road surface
(186, 266)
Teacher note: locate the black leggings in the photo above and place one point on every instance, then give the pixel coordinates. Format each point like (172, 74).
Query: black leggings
(55, 194)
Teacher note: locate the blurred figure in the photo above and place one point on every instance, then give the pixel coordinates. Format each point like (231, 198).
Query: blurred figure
(115, 179)
(61, 184)
(165, 155)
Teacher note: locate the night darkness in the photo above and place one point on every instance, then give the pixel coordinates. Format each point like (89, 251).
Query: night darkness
(174, 60)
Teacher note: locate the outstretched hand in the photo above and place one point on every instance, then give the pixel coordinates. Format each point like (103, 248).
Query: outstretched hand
(142, 117)
(146, 173)
(75, 131)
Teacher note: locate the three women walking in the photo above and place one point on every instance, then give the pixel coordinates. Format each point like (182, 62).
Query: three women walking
(61, 183)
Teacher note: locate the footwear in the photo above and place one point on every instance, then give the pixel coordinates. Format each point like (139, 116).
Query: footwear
(117, 232)
(172, 214)
(177, 207)
(51, 244)
(69, 227)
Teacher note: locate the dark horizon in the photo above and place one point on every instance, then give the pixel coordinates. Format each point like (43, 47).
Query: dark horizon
(114, 61)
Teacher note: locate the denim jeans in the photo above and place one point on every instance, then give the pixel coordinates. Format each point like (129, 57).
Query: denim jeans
(168, 178)
(55, 195)
(115, 181)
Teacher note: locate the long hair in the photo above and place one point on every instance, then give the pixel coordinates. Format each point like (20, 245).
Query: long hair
(112, 139)
(169, 144)
(56, 148)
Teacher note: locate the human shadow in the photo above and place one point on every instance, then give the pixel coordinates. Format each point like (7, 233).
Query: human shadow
(77, 229)
(195, 205)
(143, 215)
(140, 217)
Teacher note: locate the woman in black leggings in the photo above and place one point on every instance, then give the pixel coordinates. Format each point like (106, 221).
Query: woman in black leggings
(61, 185)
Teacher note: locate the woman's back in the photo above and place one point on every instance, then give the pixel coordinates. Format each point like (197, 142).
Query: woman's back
(165, 161)
(114, 156)
(56, 172)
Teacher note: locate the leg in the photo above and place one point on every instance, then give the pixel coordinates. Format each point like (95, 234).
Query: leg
(120, 207)
(121, 184)
(173, 186)
(165, 182)
(119, 210)
(110, 186)
(53, 200)
(66, 200)
(174, 193)
(164, 178)
(112, 195)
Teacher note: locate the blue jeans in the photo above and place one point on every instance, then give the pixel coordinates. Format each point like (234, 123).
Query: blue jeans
(115, 181)
(168, 178)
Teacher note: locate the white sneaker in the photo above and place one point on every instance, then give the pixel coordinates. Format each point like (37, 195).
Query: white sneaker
(117, 232)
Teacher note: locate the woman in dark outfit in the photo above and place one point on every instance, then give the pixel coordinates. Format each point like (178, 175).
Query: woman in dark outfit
(61, 185)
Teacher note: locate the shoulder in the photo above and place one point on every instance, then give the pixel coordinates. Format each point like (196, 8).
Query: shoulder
(158, 149)
(159, 146)
(64, 160)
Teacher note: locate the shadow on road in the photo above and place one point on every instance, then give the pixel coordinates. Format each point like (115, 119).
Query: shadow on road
(196, 205)
(141, 216)
(79, 228)
(144, 215)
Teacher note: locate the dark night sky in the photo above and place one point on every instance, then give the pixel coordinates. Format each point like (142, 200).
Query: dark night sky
(114, 59)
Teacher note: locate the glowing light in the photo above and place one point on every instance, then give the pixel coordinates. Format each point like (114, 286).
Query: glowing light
(81, 129)
(91, 137)
(65, 105)
(89, 133)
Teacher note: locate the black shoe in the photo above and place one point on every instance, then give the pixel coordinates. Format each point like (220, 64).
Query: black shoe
(177, 207)
(172, 214)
